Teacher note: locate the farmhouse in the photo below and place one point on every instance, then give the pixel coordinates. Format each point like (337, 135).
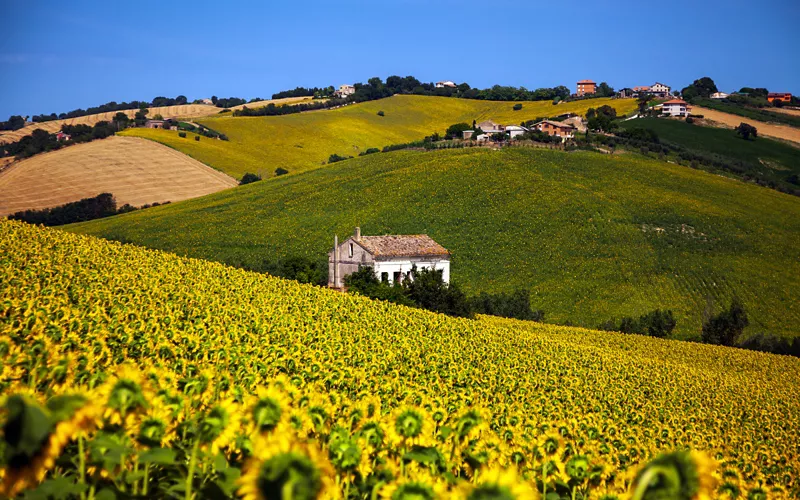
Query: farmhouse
(779, 96)
(719, 95)
(675, 107)
(515, 131)
(659, 90)
(490, 127)
(61, 136)
(154, 124)
(641, 88)
(586, 87)
(555, 129)
(447, 83)
(345, 90)
(392, 258)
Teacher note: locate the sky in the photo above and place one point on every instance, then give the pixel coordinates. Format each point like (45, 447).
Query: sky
(59, 56)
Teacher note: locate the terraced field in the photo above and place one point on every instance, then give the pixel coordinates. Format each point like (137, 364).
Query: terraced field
(304, 141)
(593, 236)
(137, 373)
(134, 170)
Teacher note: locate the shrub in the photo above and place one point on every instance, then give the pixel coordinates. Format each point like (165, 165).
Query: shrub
(656, 323)
(249, 178)
(281, 171)
(369, 151)
(689, 120)
(381, 113)
(517, 107)
(746, 130)
(334, 158)
(197, 138)
(727, 326)
(456, 130)
(514, 305)
(182, 134)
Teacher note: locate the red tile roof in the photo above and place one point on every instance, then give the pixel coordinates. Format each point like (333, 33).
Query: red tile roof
(675, 101)
(586, 81)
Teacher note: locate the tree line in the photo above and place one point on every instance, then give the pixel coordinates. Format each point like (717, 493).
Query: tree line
(95, 207)
(41, 141)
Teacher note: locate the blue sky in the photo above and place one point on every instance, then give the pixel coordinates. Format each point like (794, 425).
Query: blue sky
(58, 56)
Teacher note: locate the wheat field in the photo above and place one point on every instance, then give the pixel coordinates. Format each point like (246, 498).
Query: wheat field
(135, 171)
(767, 129)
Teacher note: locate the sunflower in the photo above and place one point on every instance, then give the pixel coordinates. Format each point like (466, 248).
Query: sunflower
(680, 475)
(218, 427)
(284, 468)
(498, 484)
(269, 408)
(418, 484)
(410, 426)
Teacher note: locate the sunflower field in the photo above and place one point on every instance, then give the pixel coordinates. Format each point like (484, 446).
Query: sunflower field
(133, 373)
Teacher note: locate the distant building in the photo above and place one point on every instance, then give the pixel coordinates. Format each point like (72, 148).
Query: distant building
(154, 123)
(641, 89)
(345, 90)
(625, 93)
(515, 131)
(391, 257)
(490, 127)
(779, 96)
(659, 90)
(555, 129)
(61, 136)
(447, 83)
(675, 107)
(577, 122)
(207, 101)
(467, 134)
(586, 87)
(719, 95)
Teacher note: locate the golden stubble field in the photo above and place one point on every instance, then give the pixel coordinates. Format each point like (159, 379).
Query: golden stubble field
(768, 129)
(135, 171)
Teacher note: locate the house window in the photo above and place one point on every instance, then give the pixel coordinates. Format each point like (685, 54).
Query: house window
(351, 250)
(385, 277)
(398, 276)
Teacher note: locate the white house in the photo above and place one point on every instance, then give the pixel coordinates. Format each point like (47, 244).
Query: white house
(490, 127)
(659, 89)
(345, 90)
(391, 257)
(719, 95)
(515, 131)
(447, 83)
(676, 107)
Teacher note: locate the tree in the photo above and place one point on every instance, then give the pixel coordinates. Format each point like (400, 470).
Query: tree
(746, 130)
(249, 178)
(140, 117)
(702, 87)
(604, 90)
(281, 171)
(727, 326)
(455, 131)
(121, 120)
(642, 102)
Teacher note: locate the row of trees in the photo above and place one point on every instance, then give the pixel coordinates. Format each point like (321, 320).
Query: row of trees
(113, 106)
(96, 207)
(41, 141)
(305, 92)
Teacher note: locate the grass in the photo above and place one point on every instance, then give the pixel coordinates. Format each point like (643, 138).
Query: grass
(594, 237)
(769, 159)
(763, 115)
(304, 141)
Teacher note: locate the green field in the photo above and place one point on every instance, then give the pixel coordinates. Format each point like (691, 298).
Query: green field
(768, 159)
(304, 141)
(592, 236)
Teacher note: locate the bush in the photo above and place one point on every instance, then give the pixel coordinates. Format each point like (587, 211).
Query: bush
(334, 158)
(514, 305)
(197, 138)
(656, 323)
(281, 171)
(727, 326)
(746, 130)
(381, 113)
(182, 134)
(456, 130)
(696, 116)
(249, 178)
(369, 151)
(517, 107)
(768, 342)
(689, 120)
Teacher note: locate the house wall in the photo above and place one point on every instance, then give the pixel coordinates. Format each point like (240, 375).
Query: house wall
(347, 264)
(675, 109)
(404, 265)
(552, 130)
(586, 88)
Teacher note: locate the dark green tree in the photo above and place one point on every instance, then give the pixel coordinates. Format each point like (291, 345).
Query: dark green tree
(725, 327)
(746, 130)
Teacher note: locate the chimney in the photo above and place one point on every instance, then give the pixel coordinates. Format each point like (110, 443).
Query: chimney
(357, 234)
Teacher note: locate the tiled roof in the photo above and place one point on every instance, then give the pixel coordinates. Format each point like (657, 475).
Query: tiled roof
(675, 101)
(412, 245)
(586, 81)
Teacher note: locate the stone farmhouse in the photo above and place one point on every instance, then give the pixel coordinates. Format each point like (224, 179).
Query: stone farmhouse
(392, 257)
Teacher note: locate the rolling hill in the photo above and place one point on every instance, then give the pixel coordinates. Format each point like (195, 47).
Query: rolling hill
(234, 372)
(304, 141)
(766, 158)
(134, 170)
(731, 120)
(593, 237)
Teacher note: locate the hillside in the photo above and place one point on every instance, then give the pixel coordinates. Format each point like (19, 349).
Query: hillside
(731, 120)
(304, 141)
(134, 170)
(180, 111)
(767, 158)
(594, 237)
(231, 370)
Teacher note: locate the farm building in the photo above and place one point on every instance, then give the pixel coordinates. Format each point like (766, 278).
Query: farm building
(345, 90)
(61, 136)
(154, 124)
(675, 107)
(659, 90)
(719, 95)
(515, 131)
(447, 83)
(641, 88)
(391, 257)
(625, 93)
(555, 129)
(586, 87)
(779, 96)
(491, 127)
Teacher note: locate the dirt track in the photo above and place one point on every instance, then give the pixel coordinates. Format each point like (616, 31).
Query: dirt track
(135, 171)
(766, 129)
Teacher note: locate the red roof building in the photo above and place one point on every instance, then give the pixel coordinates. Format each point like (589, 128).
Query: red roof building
(586, 87)
(779, 96)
